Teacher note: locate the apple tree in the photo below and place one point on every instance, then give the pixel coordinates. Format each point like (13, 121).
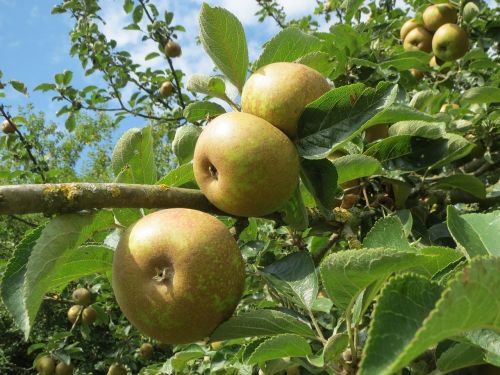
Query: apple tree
(329, 208)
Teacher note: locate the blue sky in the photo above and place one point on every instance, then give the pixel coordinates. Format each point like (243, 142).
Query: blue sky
(35, 44)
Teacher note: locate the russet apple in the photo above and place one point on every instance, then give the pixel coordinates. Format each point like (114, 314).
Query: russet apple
(244, 165)
(437, 15)
(166, 88)
(177, 274)
(407, 27)
(418, 39)
(450, 42)
(279, 92)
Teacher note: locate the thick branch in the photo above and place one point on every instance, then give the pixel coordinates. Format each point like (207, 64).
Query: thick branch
(72, 197)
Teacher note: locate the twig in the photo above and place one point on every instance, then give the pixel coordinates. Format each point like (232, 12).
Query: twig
(318, 255)
(317, 327)
(20, 219)
(73, 197)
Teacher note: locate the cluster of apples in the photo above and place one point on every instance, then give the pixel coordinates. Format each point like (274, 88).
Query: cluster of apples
(46, 365)
(178, 273)
(438, 34)
(172, 49)
(82, 298)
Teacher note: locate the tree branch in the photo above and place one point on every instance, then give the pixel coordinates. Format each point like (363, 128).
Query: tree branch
(72, 197)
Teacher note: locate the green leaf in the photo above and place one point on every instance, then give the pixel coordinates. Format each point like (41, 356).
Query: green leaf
(288, 45)
(319, 61)
(412, 314)
(184, 142)
(320, 179)
(476, 233)
(295, 277)
(45, 87)
(347, 273)
(351, 7)
(280, 346)
(13, 279)
(213, 86)
(260, 323)
(197, 111)
(180, 359)
(351, 167)
(151, 56)
(128, 6)
(67, 77)
(459, 356)
(138, 13)
(49, 256)
(485, 338)
(468, 183)
(408, 153)
(387, 232)
(339, 115)
(295, 212)
(178, 177)
(458, 147)
(70, 122)
(223, 38)
(470, 11)
(407, 60)
(485, 94)
(334, 347)
(19, 86)
(434, 130)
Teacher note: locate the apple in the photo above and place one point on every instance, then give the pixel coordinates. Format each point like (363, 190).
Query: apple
(172, 49)
(279, 92)
(73, 313)
(166, 88)
(244, 165)
(418, 39)
(146, 350)
(407, 27)
(450, 42)
(418, 74)
(64, 369)
(89, 315)
(437, 15)
(7, 127)
(45, 365)
(82, 296)
(177, 274)
(117, 369)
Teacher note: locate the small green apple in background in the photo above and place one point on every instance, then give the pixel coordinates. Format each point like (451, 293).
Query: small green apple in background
(117, 369)
(172, 49)
(7, 127)
(89, 315)
(437, 15)
(244, 165)
(418, 74)
(407, 27)
(279, 92)
(64, 369)
(418, 39)
(166, 88)
(146, 350)
(177, 274)
(73, 313)
(45, 365)
(82, 296)
(450, 42)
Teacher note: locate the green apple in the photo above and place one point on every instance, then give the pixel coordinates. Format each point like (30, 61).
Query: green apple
(64, 369)
(89, 315)
(177, 274)
(146, 350)
(172, 49)
(244, 165)
(450, 42)
(45, 365)
(418, 39)
(407, 27)
(117, 369)
(7, 127)
(437, 15)
(279, 92)
(166, 88)
(82, 296)
(418, 74)
(73, 313)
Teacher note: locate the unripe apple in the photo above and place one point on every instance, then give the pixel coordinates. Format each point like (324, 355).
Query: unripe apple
(73, 313)
(89, 315)
(146, 350)
(450, 42)
(177, 274)
(279, 92)
(64, 369)
(244, 165)
(45, 365)
(418, 74)
(407, 27)
(7, 127)
(166, 88)
(117, 369)
(82, 296)
(418, 39)
(173, 49)
(437, 15)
